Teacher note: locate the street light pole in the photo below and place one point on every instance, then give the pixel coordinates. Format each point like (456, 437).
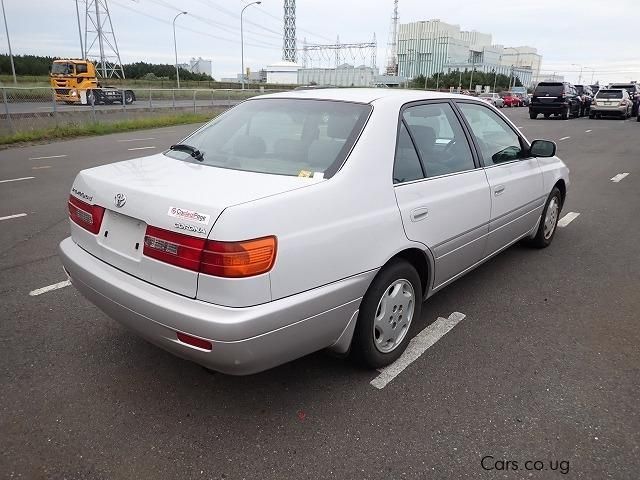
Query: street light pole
(175, 46)
(242, 38)
(581, 69)
(6, 27)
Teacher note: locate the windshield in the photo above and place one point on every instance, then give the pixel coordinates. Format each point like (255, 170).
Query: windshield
(280, 136)
(610, 94)
(580, 89)
(553, 89)
(62, 68)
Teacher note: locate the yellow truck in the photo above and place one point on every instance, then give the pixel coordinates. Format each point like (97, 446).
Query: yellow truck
(76, 82)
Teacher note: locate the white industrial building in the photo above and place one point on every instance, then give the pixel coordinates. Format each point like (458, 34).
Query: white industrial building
(200, 65)
(344, 75)
(429, 47)
(283, 73)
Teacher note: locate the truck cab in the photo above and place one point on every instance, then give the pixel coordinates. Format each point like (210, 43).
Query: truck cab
(69, 78)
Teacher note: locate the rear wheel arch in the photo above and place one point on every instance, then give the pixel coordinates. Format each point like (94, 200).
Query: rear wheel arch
(420, 260)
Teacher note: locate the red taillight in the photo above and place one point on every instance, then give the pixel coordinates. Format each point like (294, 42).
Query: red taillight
(174, 248)
(239, 259)
(221, 259)
(87, 216)
(194, 341)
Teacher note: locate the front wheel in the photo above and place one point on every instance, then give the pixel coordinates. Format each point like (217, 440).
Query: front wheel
(533, 116)
(388, 308)
(548, 220)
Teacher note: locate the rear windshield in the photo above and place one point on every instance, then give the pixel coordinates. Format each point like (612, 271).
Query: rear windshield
(551, 89)
(610, 94)
(280, 136)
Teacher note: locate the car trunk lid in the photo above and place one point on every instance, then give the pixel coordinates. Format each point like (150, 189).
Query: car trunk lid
(166, 193)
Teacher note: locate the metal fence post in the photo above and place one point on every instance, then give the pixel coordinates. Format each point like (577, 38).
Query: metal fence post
(173, 94)
(194, 101)
(212, 92)
(53, 104)
(6, 109)
(124, 103)
(150, 104)
(93, 108)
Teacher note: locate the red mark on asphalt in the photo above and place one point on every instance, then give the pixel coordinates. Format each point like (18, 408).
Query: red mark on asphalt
(301, 415)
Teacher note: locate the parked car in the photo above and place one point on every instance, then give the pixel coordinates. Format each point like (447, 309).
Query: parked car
(555, 98)
(594, 89)
(612, 102)
(633, 89)
(524, 99)
(255, 240)
(586, 97)
(492, 98)
(511, 100)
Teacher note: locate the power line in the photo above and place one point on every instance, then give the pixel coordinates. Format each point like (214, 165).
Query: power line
(167, 22)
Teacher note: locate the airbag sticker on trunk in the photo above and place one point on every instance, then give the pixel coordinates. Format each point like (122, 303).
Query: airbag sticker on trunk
(189, 215)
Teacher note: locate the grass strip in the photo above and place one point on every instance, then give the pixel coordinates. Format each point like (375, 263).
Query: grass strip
(102, 128)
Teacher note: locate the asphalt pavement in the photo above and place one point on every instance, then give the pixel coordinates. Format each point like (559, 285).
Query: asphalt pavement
(544, 367)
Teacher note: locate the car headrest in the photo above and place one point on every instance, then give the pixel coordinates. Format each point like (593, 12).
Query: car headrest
(340, 126)
(249, 146)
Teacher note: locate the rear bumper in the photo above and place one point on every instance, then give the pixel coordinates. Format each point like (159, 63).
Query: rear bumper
(608, 110)
(245, 340)
(548, 108)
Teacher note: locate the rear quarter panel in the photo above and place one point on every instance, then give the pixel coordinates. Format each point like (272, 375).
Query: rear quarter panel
(334, 229)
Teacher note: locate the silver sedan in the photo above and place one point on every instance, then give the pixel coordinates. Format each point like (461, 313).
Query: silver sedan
(308, 220)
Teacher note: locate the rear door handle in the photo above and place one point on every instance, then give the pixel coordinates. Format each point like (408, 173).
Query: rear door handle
(419, 213)
(498, 190)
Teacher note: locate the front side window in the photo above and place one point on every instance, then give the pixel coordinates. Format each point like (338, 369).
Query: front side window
(439, 138)
(497, 141)
(292, 137)
(81, 68)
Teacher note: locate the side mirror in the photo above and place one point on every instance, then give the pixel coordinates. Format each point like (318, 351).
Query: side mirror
(543, 148)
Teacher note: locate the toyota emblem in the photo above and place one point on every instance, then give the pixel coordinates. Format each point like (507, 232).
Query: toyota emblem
(120, 200)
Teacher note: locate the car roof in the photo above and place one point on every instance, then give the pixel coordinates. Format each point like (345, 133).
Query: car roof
(364, 95)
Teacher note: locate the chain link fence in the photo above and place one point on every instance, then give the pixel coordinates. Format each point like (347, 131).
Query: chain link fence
(24, 109)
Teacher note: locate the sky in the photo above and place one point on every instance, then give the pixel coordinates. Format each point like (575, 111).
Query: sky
(570, 35)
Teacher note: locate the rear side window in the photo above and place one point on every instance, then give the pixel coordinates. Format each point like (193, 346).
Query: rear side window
(553, 89)
(498, 142)
(295, 137)
(439, 138)
(609, 94)
(407, 164)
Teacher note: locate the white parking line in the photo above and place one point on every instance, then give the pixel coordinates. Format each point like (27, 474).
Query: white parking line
(49, 156)
(567, 219)
(564, 138)
(16, 179)
(139, 148)
(18, 215)
(41, 167)
(588, 131)
(417, 346)
(619, 177)
(136, 139)
(55, 286)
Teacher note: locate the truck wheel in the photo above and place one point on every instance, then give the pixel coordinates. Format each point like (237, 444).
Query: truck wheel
(91, 98)
(128, 97)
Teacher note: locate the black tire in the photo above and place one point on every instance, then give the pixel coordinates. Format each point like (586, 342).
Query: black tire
(363, 348)
(566, 115)
(128, 97)
(533, 116)
(547, 115)
(539, 241)
(91, 98)
(638, 119)
(592, 115)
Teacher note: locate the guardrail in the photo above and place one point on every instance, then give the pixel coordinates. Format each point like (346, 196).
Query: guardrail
(30, 108)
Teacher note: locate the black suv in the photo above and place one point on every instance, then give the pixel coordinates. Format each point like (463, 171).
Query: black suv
(555, 98)
(634, 94)
(586, 95)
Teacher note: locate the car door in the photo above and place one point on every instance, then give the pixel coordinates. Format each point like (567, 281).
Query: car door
(515, 178)
(442, 195)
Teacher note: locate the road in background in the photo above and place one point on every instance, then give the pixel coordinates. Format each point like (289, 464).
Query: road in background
(544, 367)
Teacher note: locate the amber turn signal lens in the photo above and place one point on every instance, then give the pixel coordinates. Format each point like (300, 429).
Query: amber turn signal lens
(239, 259)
